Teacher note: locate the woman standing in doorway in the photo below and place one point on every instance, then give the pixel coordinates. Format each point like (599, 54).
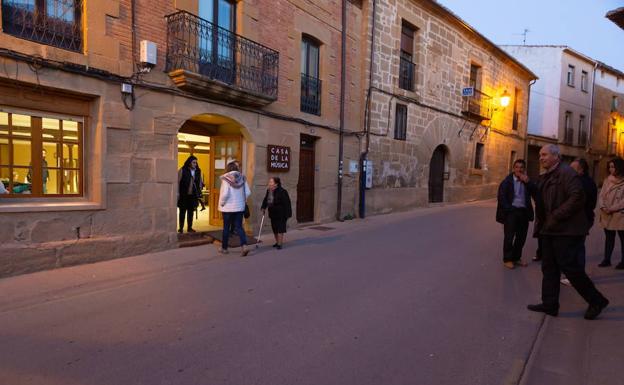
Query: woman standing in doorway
(189, 191)
(611, 206)
(232, 197)
(278, 203)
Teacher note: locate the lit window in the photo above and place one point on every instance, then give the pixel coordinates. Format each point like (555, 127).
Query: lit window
(41, 155)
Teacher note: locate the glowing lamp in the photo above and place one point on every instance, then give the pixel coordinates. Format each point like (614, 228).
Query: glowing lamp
(505, 99)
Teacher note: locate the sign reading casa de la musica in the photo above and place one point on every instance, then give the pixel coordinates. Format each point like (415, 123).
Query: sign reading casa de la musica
(278, 158)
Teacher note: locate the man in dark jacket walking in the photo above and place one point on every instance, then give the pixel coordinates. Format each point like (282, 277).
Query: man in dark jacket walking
(515, 211)
(562, 225)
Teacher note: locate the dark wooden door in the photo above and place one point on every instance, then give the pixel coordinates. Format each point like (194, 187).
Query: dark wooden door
(436, 175)
(305, 186)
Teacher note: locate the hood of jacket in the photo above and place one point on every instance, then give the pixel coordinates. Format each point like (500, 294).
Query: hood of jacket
(234, 179)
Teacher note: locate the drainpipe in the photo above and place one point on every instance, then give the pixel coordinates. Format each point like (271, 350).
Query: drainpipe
(526, 139)
(343, 72)
(364, 155)
(591, 113)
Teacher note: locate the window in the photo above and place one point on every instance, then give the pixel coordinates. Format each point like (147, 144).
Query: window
(310, 82)
(614, 138)
(53, 22)
(568, 130)
(478, 160)
(514, 125)
(571, 75)
(400, 122)
(584, 81)
(475, 76)
(582, 138)
(406, 66)
(614, 103)
(40, 155)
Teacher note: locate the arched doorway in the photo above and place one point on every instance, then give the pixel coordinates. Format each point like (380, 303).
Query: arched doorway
(215, 140)
(437, 171)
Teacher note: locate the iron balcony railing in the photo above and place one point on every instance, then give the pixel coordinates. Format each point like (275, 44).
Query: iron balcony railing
(582, 138)
(199, 46)
(568, 136)
(477, 106)
(310, 94)
(407, 70)
(51, 22)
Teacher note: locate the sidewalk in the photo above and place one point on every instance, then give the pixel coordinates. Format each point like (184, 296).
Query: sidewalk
(29, 289)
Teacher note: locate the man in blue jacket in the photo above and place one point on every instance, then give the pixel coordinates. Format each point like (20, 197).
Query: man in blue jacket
(515, 211)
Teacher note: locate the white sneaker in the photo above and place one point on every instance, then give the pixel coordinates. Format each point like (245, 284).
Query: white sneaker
(565, 281)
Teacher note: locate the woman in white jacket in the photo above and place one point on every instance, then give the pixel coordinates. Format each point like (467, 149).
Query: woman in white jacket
(232, 197)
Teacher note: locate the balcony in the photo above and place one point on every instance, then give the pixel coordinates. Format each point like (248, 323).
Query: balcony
(568, 136)
(310, 94)
(477, 107)
(407, 70)
(52, 22)
(206, 59)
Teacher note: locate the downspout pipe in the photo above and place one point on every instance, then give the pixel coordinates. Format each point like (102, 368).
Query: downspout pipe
(591, 112)
(526, 134)
(367, 109)
(343, 74)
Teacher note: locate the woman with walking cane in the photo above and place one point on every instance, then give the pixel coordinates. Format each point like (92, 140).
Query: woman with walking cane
(278, 203)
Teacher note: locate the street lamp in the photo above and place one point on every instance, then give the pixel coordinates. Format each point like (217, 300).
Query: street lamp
(505, 98)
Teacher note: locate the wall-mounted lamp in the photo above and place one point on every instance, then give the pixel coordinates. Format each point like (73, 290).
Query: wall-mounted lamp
(505, 99)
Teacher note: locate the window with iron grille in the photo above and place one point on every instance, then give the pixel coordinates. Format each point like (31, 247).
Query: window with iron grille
(478, 160)
(582, 138)
(310, 82)
(400, 122)
(406, 66)
(41, 154)
(568, 129)
(52, 22)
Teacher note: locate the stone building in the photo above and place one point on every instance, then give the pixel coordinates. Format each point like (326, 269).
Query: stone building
(428, 143)
(607, 124)
(561, 101)
(616, 16)
(101, 102)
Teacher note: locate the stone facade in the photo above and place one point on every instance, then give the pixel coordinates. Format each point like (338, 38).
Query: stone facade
(130, 152)
(444, 51)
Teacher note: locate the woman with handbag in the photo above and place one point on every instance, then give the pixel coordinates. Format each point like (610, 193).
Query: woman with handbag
(280, 209)
(232, 197)
(189, 189)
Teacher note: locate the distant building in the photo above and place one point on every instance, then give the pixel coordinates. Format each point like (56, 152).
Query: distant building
(560, 109)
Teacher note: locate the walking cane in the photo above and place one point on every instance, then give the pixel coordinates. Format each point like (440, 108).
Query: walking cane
(260, 232)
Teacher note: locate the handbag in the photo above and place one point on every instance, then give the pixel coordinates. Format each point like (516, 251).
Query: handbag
(247, 213)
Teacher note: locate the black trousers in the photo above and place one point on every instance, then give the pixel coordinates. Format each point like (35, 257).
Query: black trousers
(560, 254)
(610, 243)
(515, 227)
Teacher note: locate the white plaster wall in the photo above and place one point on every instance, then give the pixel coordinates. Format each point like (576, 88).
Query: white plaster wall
(610, 81)
(573, 98)
(544, 104)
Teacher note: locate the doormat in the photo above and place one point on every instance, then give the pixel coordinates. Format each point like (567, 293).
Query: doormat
(321, 228)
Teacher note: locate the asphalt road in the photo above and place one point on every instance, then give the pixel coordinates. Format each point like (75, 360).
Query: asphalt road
(413, 298)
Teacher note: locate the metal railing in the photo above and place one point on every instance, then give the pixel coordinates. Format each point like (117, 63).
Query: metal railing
(310, 94)
(582, 138)
(52, 22)
(407, 70)
(477, 105)
(568, 136)
(199, 46)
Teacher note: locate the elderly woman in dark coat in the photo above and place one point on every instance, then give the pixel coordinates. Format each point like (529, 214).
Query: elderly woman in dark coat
(278, 203)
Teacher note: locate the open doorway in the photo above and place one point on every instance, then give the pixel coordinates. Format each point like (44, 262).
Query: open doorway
(215, 141)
